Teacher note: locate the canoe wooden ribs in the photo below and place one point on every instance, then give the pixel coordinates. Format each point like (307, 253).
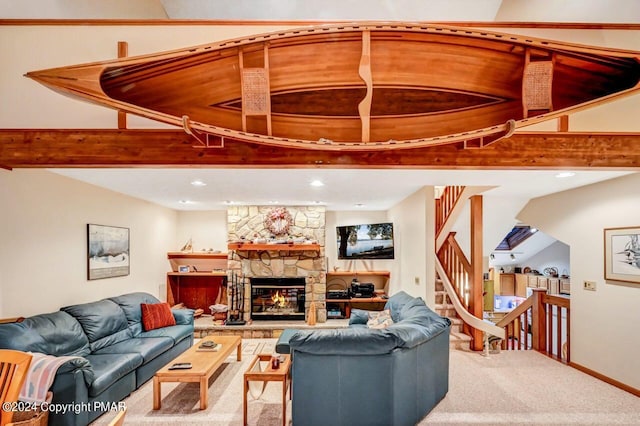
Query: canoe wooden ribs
(360, 87)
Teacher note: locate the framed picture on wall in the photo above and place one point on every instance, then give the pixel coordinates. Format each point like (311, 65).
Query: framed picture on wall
(622, 254)
(107, 251)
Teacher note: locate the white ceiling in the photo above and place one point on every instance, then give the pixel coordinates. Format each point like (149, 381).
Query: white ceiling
(376, 189)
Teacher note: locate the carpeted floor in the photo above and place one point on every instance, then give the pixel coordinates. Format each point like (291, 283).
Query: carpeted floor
(510, 388)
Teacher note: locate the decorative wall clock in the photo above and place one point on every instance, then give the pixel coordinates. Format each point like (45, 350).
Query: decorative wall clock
(278, 221)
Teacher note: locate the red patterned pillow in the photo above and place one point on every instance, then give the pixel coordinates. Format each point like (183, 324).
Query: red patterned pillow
(156, 315)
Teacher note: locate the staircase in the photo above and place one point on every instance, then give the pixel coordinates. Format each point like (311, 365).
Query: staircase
(457, 340)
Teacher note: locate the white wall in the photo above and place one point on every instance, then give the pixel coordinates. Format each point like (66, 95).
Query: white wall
(414, 220)
(604, 323)
(43, 245)
(207, 230)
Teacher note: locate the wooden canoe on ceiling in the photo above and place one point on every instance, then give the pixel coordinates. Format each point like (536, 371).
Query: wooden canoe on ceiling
(357, 87)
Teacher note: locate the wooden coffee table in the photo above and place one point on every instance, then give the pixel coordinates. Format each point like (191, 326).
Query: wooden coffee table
(281, 374)
(203, 365)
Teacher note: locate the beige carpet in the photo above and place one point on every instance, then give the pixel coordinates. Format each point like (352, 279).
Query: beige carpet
(528, 388)
(510, 388)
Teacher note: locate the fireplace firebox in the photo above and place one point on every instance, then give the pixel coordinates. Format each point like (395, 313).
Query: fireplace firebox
(277, 298)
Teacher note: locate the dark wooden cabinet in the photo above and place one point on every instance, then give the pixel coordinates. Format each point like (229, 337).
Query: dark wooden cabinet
(197, 290)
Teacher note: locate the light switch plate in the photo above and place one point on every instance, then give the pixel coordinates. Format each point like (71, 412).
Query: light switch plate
(590, 285)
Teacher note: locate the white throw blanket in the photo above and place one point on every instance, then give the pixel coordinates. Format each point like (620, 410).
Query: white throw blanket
(42, 372)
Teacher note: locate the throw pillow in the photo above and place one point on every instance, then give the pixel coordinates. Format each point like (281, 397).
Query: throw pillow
(380, 319)
(156, 315)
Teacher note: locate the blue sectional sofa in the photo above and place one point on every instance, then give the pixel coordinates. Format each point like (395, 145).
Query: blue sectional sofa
(115, 355)
(366, 376)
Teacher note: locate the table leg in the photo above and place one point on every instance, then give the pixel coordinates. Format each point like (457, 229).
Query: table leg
(204, 392)
(244, 402)
(156, 393)
(284, 401)
(239, 355)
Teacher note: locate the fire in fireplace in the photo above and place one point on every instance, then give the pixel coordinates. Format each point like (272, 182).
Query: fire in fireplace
(277, 298)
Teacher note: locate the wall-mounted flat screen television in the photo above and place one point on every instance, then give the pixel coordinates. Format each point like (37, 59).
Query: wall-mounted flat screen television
(372, 241)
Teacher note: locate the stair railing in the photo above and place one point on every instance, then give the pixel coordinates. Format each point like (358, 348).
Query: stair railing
(462, 311)
(456, 267)
(445, 205)
(539, 323)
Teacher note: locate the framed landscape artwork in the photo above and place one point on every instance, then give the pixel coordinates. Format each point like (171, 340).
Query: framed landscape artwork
(108, 251)
(622, 254)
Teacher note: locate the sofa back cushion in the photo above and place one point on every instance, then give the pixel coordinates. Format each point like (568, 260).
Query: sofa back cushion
(417, 324)
(103, 322)
(55, 333)
(130, 305)
(396, 303)
(344, 341)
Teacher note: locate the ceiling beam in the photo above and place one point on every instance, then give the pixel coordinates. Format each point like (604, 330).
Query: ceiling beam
(33, 148)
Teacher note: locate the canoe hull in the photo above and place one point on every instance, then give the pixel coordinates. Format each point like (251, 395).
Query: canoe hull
(359, 87)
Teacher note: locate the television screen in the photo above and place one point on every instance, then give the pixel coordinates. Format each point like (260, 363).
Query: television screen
(373, 241)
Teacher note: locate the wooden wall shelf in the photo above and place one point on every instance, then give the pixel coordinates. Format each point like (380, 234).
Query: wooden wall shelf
(273, 247)
(361, 273)
(195, 255)
(198, 274)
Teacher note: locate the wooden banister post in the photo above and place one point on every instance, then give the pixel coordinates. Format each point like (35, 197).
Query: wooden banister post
(476, 304)
(539, 321)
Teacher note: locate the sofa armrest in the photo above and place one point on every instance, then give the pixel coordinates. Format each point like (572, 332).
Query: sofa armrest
(183, 316)
(80, 366)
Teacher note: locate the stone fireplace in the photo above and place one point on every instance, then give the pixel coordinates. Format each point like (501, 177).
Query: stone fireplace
(251, 225)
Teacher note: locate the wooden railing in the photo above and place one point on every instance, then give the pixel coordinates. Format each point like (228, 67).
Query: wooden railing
(457, 268)
(540, 323)
(445, 204)
(469, 319)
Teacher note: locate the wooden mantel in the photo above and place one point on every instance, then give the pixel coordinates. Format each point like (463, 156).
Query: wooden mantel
(273, 247)
(34, 148)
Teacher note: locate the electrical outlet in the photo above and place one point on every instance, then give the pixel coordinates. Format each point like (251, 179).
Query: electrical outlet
(416, 280)
(590, 285)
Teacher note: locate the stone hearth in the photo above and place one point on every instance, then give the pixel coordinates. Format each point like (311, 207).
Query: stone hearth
(247, 223)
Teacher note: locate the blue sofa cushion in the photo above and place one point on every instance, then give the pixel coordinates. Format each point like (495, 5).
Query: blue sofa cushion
(103, 322)
(148, 348)
(183, 316)
(358, 316)
(28, 341)
(61, 332)
(109, 368)
(346, 341)
(175, 332)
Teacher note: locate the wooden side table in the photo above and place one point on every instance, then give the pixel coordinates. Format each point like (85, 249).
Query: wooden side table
(269, 374)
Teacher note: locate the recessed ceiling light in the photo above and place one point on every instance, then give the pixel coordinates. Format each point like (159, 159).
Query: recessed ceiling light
(565, 174)
(198, 182)
(317, 183)
(227, 202)
(317, 202)
(273, 202)
(359, 205)
(186, 202)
